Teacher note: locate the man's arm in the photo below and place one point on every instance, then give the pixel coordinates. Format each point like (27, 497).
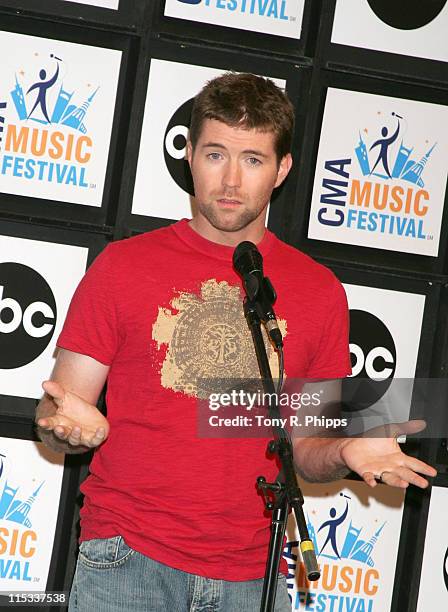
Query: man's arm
(67, 417)
(376, 454)
(316, 453)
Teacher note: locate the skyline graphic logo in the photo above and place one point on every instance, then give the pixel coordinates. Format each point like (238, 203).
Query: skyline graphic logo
(345, 550)
(12, 507)
(352, 545)
(403, 166)
(64, 111)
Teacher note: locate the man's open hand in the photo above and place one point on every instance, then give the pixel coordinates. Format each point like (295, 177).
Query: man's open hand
(74, 419)
(378, 456)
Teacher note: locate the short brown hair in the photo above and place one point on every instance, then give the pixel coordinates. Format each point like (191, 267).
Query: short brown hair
(248, 101)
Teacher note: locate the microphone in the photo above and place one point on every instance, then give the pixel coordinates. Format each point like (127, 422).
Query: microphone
(248, 262)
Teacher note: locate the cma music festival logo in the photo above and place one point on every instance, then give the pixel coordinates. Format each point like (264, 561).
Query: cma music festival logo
(48, 138)
(17, 538)
(274, 9)
(381, 189)
(345, 552)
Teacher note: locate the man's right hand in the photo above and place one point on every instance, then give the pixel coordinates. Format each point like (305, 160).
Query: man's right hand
(73, 419)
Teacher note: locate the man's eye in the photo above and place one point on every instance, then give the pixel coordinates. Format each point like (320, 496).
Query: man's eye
(214, 156)
(253, 161)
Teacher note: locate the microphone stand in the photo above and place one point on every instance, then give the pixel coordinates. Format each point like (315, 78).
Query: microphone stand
(285, 492)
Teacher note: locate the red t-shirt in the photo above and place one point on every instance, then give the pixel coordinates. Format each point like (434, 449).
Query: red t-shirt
(164, 310)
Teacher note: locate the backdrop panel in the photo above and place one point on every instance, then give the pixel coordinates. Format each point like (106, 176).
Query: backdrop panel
(125, 14)
(380, 180)
(285, 27)
(30, 489)
(379, 174)
(163, 186)
(409, 28)
(60, 111)
(39, 271)
(384, 349)
(356, 532)
(47, 547)
(277, 18)
(404, 38)
(433, 593)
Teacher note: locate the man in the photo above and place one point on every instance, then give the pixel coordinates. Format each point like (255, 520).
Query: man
(172, 521)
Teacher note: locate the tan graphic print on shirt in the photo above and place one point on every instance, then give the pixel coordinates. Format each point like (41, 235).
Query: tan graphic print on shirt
(207, 338)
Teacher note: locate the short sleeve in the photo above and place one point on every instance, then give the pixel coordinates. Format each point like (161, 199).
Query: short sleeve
(90, 327)
(332, 357)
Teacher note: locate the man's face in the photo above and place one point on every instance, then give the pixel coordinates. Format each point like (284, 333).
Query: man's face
(234, 172)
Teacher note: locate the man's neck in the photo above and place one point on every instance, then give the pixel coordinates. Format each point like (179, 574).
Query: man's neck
(207, 231)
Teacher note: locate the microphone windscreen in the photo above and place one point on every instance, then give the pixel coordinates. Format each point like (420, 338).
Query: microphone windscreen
(247, 259)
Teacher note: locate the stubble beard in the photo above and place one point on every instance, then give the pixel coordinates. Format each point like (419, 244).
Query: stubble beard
(228, 221)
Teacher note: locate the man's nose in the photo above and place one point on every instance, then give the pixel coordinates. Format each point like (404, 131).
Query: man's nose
(232, 174)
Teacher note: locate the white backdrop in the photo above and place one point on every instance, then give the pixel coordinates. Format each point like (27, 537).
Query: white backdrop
(30, 488)
(355, 24)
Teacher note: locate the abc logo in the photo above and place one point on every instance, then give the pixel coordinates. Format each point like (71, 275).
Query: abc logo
(373, 356)
(174, 147)
(407, 14)
(27, 315)
(445, 569)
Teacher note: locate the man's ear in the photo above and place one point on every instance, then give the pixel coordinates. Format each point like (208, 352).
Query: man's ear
(283, 169)
(189, 151)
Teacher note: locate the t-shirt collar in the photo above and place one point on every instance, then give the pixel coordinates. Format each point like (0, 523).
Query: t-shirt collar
(212, 249)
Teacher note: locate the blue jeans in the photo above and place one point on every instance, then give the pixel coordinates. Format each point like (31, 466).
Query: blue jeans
(112, 577)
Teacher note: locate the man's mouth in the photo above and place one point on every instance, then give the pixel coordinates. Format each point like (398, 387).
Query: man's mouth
(228, 203)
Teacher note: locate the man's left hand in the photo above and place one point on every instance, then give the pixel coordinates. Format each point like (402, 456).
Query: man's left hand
(377, 456)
